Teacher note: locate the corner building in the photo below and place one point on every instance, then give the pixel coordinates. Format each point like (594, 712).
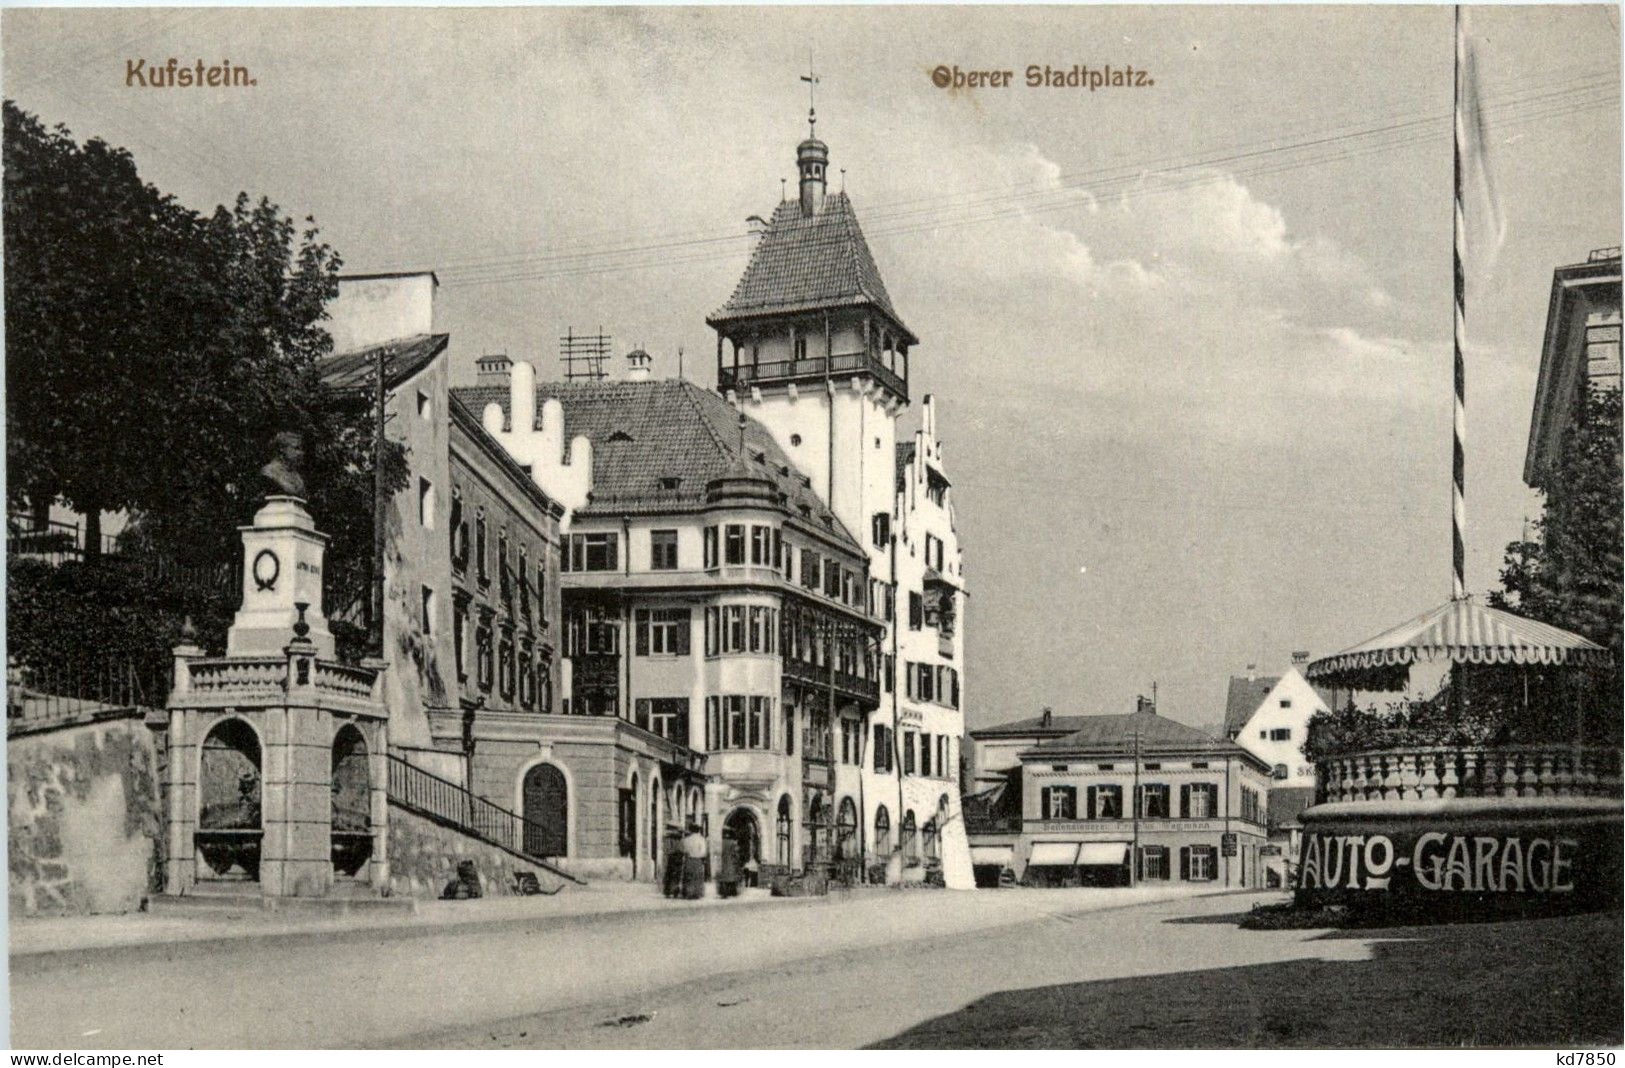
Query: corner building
(811, 346)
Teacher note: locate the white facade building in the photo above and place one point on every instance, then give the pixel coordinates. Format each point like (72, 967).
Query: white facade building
(810, 345)
(1278, 727)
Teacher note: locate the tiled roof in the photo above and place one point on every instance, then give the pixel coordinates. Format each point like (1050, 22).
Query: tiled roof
(1286, 803)
(1033, 725)
(807, 262)
(405, 357)
(1246, 694)
(657, 443)
(1157, 735)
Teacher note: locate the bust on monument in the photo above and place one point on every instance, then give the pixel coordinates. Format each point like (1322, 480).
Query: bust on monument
(282, 564)
(280, 477)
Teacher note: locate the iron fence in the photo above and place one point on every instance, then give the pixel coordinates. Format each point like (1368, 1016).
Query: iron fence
(44, 693)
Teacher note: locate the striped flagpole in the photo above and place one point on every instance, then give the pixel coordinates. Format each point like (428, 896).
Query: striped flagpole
(1458, 513)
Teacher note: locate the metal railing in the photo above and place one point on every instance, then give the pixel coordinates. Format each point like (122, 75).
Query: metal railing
(39, 695)
(446, 802)
(56, 542)
(52, 540)
(1436, 772)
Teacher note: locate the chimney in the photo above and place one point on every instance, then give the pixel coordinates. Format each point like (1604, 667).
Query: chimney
(638, 366)
(1046, 716)
(493, 370)
(1300, 657)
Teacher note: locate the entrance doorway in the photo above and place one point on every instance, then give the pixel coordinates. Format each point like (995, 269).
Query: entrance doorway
(546, 804)
(745, 832)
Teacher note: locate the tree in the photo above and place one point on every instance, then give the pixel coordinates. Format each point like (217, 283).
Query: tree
(1571, 574)
(91, 253)
(154, 352)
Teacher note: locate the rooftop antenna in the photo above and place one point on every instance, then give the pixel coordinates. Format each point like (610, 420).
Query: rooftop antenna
(680, 363)
(811, 78)
(583, 355)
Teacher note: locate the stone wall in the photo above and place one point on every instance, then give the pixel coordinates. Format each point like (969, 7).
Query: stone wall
(423, 858)
(85, 822)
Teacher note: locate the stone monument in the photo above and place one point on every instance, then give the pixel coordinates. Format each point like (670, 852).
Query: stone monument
(282, 564)
(277, 768)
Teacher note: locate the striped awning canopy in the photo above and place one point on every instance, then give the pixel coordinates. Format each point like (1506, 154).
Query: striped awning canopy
(1461, 631)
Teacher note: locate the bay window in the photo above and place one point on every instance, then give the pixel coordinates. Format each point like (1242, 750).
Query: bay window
(735, 721)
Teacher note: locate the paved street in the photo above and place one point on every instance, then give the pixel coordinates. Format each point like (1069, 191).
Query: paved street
(1065, 967)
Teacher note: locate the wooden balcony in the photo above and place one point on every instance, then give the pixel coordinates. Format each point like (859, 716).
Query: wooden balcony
(841, 365)
(854, 687)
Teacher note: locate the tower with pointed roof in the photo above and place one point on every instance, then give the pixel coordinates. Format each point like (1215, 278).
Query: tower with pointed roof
(811, 345)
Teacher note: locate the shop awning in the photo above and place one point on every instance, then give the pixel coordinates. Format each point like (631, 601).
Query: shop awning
(999, 855)
(1054, 854)
(1113, 853)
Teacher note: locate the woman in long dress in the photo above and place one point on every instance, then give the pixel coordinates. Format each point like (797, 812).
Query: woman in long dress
(694, 851)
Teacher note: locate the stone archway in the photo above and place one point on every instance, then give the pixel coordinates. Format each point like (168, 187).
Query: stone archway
(783, 829)
(352, 803)
(743, 827)
(846, 830)
(230, 819)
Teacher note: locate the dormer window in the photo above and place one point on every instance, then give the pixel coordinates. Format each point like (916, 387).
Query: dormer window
(670, 482)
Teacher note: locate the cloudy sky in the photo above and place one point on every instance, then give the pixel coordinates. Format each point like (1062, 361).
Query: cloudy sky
(1191, 341)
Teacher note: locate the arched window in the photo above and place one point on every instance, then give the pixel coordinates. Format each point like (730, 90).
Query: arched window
(931, 838)
(882, 831)
(784, 830)
(909, 841)
(846, 830)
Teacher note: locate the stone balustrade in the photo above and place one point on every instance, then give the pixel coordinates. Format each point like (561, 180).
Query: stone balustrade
(1438, 772)
(252, 681)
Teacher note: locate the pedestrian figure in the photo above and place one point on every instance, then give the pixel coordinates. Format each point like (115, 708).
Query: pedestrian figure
(466, 885)
(729, 871)
(672, 884)
(694, 851)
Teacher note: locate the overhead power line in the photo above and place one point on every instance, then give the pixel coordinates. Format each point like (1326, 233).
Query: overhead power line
(1123, 182)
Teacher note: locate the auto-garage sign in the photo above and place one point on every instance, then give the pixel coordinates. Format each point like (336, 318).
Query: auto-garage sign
(1440, 860)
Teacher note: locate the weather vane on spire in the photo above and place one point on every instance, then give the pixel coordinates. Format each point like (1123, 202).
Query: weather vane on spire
(811, 78)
